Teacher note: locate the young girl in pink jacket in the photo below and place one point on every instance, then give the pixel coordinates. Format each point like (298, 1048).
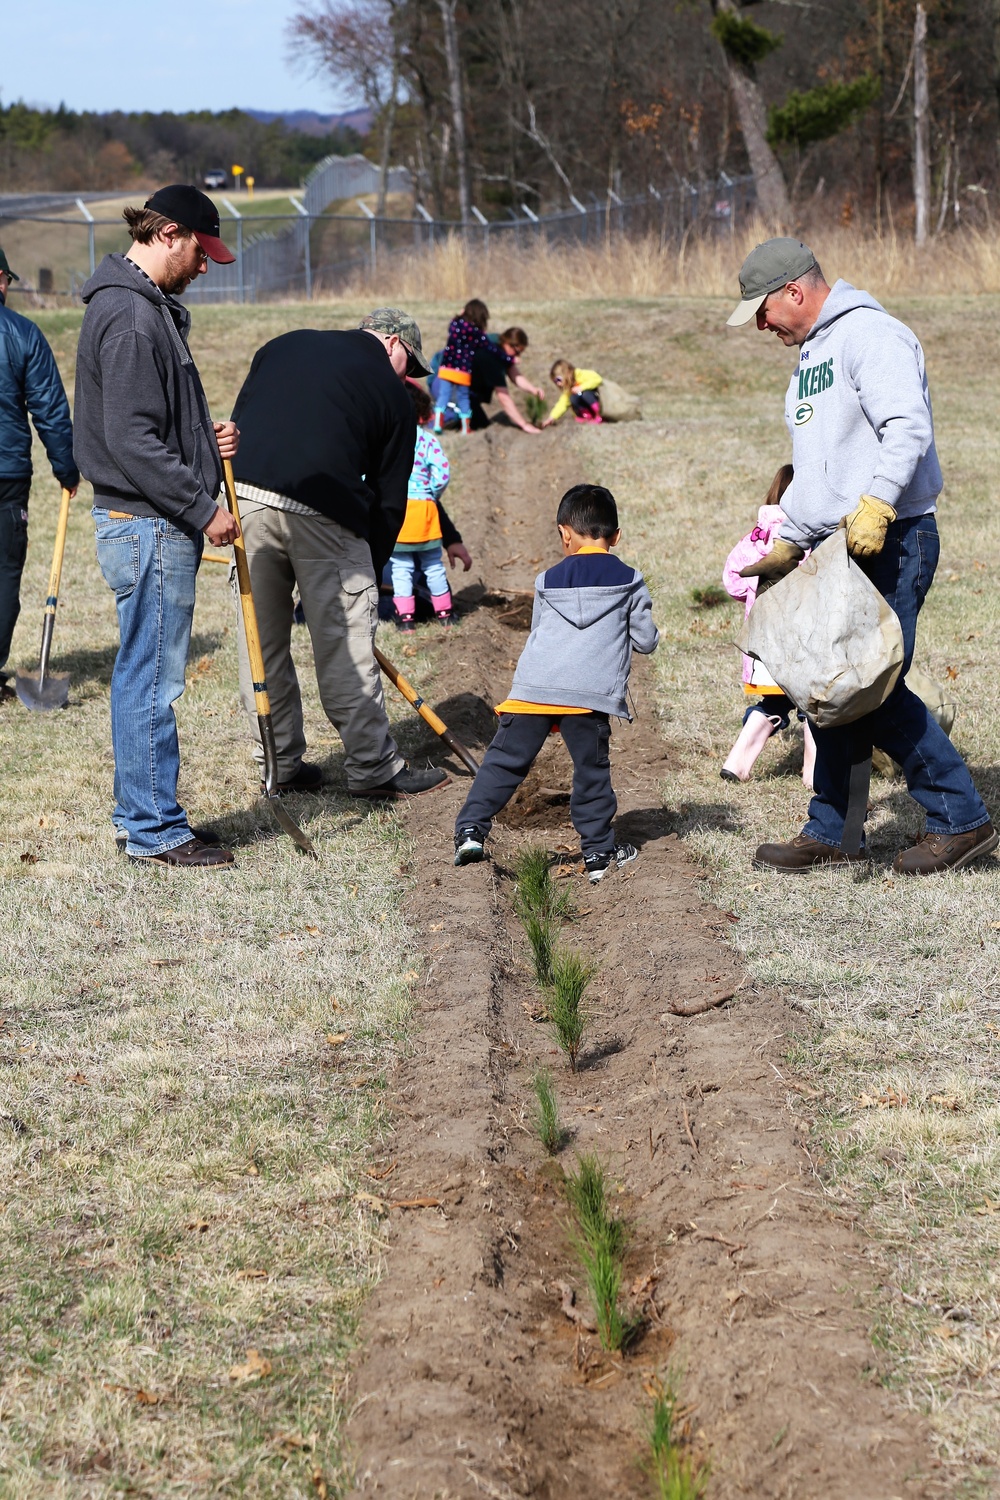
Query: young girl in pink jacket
(771, 712)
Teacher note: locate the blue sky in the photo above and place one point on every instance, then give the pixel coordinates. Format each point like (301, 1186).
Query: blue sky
(133, 54)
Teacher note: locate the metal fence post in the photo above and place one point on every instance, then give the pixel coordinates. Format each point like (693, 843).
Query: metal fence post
(372, 245)
(308, 218)
(239, 248)
(90, 233)
(486, 226)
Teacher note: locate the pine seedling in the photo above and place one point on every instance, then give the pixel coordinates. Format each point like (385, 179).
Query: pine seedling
(539, 930)
(588, 1198)
(548, 1125)
(568, 1013)
(677, 1475)
(604, 1283)
(536, 894)
(535, 408)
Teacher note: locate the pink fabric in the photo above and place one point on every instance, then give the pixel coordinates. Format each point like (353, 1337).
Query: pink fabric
(405, 605)
(755, 545)
(441, 601)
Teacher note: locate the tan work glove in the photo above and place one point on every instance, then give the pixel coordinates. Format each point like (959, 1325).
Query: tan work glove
(867, 525)
(784, 557)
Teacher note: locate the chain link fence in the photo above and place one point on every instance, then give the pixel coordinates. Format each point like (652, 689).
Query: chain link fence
(311, 250)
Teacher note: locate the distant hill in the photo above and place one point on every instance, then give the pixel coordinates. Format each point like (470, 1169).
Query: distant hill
(311, 123)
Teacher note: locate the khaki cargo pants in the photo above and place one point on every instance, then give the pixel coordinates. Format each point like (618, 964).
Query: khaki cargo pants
(333, 570)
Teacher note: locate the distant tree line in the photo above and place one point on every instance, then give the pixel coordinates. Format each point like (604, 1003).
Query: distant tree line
(62, 150)
(495, 103)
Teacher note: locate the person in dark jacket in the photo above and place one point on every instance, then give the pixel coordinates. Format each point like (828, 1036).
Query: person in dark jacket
(324, 462)
(148, 445)
(29, 385)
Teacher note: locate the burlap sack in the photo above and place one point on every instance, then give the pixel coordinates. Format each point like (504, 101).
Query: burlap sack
(616, 403)
(827, 637)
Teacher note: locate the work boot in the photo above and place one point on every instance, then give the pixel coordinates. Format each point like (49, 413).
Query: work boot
(203, 835)
(405, 783)
(933, 853)
(800, 854)
(193, 855)
(308, 778)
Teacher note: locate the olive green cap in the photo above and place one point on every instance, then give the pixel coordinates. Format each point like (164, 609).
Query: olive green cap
(768, 268)
(5, 266)
(394, 320)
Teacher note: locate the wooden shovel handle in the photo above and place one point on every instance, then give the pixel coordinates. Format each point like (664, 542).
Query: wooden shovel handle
(262, 702)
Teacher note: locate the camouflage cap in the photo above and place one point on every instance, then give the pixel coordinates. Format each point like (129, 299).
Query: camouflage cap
(768, 268)
(393, 320)
(5, 266)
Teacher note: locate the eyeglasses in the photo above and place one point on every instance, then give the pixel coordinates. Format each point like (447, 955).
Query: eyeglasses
(558, 379)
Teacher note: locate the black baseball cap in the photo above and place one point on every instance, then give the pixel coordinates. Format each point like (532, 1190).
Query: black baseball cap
(188, 205)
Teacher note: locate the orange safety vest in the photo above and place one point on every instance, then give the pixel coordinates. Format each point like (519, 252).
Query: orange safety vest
(421, 523)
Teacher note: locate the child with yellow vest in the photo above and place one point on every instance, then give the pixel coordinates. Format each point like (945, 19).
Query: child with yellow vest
(419, 541)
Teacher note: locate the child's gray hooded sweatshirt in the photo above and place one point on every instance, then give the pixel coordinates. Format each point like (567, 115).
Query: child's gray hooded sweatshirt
(590, 611)
(859, 413)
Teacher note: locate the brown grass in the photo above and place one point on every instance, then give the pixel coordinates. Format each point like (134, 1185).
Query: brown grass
(699, 267)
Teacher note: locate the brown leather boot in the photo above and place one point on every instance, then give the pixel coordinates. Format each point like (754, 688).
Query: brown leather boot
(801, 854)
(933, 853)
(192, 855)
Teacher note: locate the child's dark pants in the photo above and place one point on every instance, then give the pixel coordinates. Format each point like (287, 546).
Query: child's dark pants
(513, 752)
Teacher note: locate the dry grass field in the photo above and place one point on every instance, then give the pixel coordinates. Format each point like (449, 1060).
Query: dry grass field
(194, 1069)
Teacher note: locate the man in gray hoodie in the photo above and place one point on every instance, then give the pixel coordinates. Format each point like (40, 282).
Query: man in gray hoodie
(145, 439)
(859, 413)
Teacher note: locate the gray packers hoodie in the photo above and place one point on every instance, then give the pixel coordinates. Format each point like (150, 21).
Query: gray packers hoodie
(859, 413)
(590, 611)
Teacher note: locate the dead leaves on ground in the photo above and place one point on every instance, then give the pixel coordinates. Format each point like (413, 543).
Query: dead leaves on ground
(255, 1366)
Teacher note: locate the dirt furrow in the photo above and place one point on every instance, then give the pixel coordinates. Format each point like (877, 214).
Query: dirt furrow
(473, 1380)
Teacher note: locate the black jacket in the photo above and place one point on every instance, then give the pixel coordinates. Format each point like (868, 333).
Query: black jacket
(325, 420)
(142, 428)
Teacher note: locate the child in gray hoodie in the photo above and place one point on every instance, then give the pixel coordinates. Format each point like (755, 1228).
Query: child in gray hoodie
(590, 610)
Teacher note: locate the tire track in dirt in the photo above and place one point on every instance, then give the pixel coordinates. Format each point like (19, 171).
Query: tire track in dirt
(471, 1379)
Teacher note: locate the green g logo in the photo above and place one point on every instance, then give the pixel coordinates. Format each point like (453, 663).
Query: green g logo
(802, 413)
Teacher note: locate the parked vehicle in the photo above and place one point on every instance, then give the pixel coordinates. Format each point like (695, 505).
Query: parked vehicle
(215, 177)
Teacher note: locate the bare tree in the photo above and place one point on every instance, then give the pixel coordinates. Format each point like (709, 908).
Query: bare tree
(769, 180)
(356, 42)
(921, 128)
(455, 91)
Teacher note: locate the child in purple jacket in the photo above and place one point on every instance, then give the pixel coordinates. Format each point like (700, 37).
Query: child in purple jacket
(466, 334)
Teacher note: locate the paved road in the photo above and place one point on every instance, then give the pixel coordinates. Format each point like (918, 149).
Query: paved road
(14, 204)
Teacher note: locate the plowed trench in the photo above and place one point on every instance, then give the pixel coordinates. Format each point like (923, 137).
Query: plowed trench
(472, 1379)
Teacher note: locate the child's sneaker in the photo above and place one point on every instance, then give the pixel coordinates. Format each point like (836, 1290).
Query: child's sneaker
(598, 865)
(469, 846)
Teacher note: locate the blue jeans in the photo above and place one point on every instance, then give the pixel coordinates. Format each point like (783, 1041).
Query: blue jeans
(936, 775)
(446, 391)
(151, 565)
(430, 562)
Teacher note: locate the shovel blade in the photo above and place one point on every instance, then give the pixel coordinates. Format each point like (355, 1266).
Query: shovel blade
(40, 695)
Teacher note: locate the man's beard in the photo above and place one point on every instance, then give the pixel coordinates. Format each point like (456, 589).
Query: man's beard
(177, 275)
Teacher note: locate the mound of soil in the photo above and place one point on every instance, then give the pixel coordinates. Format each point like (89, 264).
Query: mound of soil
(480, 1372)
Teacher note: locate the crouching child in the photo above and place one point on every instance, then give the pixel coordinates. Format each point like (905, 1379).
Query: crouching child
(590, 611)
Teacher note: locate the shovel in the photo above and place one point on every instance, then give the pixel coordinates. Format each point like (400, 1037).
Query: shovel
(439, 727)
(43, 690)
(263, 703)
